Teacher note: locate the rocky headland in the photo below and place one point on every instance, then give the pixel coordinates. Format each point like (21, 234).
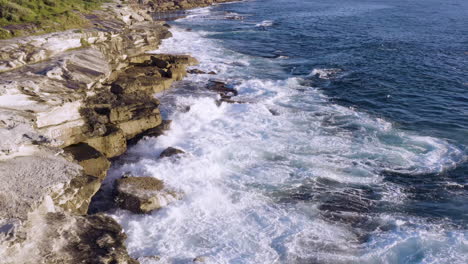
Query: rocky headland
(69, 102)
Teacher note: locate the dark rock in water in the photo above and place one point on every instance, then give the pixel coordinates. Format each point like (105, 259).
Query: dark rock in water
(274, 112)
(221, 88)
(185, 109)
(142, 194)
(196, 71)
(188, 29)
(167, 25)
(170, 151)
(229, 101)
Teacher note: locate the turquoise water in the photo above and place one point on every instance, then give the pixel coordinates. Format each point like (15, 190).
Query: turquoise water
(351, 146)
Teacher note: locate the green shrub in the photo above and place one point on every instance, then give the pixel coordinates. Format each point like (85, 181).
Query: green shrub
(24, 11)
(25, 17)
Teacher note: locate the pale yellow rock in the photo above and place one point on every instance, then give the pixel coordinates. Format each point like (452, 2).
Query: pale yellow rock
(111, 145)
(134, 127)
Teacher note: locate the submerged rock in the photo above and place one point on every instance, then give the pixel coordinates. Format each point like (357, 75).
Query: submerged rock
(170, 151)
(221, 88)
(198, 71)
(274, 112)
(143, 194)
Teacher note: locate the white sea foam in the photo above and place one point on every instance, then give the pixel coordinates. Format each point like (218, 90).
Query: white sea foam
(240, 155)
(325, 73)
(265, 23)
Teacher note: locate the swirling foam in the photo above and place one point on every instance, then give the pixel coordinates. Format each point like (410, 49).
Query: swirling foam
(239, 154)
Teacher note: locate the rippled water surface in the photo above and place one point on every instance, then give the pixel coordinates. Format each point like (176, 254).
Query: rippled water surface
(351, 146)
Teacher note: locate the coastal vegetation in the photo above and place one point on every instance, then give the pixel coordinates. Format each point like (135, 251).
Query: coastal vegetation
(23, 17)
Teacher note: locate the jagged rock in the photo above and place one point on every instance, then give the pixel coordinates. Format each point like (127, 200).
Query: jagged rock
(92, 161)
(142, 194)
(162, 60)
(229, 101)
(76, 197)
(221, 88)
(198, 71)
(170, 151)
(152, 132)
(88, 91)
(63, 238)
(274, 112)
(132, 128)
(146, 84)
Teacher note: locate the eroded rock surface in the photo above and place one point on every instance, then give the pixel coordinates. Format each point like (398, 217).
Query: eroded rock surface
(58, 237)
(69, 101)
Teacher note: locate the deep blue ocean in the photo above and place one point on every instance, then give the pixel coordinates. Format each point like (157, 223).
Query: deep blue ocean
(351, 146)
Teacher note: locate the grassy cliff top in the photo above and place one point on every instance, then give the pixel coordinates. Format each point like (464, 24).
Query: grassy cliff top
(21, 17)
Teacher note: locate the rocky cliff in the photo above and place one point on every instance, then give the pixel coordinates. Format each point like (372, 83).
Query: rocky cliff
(69, 101)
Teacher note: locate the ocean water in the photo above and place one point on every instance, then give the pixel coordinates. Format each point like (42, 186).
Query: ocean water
(351, 146)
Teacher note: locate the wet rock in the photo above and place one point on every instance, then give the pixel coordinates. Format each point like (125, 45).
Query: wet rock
(230, 101)
(274, 112)
(196, 71)
(142, 194)
(221, 88)
(170, 151)
(152, 132)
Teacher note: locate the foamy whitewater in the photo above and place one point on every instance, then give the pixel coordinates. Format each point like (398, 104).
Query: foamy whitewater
(287, 177)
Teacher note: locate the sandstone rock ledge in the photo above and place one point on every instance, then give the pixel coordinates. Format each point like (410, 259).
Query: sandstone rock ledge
(69, 101)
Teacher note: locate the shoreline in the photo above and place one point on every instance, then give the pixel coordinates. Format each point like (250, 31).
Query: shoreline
(69, 103)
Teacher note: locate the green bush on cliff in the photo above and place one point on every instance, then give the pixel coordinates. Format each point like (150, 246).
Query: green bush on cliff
(39, 16)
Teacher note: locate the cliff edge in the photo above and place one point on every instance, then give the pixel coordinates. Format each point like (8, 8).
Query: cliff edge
(70, 101)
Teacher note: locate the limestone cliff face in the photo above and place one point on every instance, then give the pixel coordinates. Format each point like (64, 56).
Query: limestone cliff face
(69, 101)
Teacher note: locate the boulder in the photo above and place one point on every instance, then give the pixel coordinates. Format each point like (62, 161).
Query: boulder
(221, 88)
(170, 151)
(142, 194)
(274, 112)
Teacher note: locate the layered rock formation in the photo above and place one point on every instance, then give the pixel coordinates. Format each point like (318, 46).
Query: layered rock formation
(69, 101)
(143, 194)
